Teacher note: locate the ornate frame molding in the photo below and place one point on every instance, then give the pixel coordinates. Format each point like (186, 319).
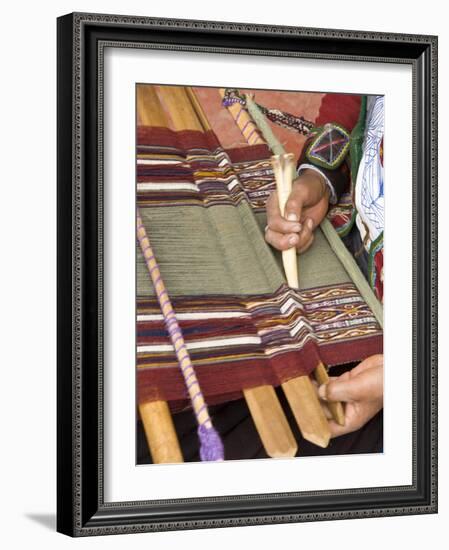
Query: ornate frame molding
(81, 42)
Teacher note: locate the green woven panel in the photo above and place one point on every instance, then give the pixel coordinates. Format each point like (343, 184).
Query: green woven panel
(221, 250)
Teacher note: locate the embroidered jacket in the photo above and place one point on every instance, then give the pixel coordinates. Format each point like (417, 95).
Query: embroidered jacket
(347, 149)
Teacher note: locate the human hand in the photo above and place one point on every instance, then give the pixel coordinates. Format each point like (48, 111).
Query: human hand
(305, 209)
(362, 390)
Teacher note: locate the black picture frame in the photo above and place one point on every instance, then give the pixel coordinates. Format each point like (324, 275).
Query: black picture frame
(81, 509)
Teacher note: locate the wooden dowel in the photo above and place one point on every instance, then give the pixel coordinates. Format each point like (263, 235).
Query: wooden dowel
(270, 421)
(160, 432)
(282, 166)
(179, 105)
(335, 407)
(198, 109)
(320, 372)
(149, 108)
(309, 415)
(301, 395)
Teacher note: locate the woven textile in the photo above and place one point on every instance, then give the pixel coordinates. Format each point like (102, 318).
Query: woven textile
(203, 209)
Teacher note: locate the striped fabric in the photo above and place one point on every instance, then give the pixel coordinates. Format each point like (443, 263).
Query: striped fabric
(203, 210)
(204, 174)
(253, 340)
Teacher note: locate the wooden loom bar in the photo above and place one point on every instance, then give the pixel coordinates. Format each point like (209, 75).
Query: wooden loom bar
(149, 108)
(263, 403)
(156, 418)
(160, 432)
(178, 104)
(291, 273)
(301, 395)
(335, 407)
(271, 422)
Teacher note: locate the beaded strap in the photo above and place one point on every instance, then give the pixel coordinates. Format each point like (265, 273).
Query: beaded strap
(281, 118)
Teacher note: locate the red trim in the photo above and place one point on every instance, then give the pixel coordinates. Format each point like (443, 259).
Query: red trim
(249, 153)
(224, 382)
(343, 109)
(184, 139)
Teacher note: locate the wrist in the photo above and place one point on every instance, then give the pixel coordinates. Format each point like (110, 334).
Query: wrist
(311, 169)
(312, 186)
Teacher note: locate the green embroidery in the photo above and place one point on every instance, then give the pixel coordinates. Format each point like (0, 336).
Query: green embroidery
(328, 155)
(355, 155)
(376, 245)
(356, 142)
(344, 229)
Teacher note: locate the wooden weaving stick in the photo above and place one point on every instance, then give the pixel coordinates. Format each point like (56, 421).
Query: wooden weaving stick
(156, 418)
(283, 174)
(160, 432)
(271, 422)
(178, 103)
(301, 395)
(335, 407)
(266, 411)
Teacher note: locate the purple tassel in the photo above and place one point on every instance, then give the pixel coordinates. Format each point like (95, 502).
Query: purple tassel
(211, 447)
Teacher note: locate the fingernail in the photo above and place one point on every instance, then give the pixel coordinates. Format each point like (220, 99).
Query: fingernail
(322, 392)
(296, 228)
(292, 217)
(310, 224)
(293, 239)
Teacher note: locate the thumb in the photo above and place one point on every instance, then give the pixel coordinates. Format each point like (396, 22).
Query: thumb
(339, 390)
(366, 385)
